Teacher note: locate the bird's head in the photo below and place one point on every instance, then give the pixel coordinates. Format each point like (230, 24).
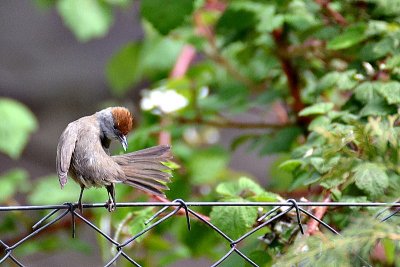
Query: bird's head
(115, 124)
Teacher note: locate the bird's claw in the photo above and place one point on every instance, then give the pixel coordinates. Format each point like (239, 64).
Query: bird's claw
(110, 205)
(80, 207)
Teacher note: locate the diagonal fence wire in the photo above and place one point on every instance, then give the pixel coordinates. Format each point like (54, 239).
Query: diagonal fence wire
(277, 210)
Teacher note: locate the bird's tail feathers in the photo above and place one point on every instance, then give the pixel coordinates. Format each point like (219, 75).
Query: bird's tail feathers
(144, 169)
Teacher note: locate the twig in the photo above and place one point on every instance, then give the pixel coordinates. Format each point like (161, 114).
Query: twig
(291, 73)
(312, 225)
(232, 71)
(336, 16)
(186, 56)
(182, 64)
(231, 124)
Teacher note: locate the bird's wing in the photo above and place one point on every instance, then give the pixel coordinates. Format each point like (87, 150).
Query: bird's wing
(65, 148)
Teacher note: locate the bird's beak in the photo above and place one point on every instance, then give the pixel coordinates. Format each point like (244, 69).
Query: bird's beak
(124, 142)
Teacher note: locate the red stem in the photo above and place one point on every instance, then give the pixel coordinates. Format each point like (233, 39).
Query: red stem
(336, 16)
(312, 225)
(292, 75)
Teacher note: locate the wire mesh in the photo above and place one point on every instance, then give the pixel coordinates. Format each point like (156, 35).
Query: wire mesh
(278, 210)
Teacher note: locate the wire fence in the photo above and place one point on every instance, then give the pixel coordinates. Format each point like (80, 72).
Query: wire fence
(277, 211)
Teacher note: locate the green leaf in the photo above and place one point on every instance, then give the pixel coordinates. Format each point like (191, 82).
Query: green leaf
(235, 21)
(269, 21)
(281, 141)
(17, 123)
(234, 221)
(371, 178)
(138, 221)
(305, 178)
(290, 165)
(319, 108)
(87, 19)
(390, 91)
(377, 108)
(11, 182)
(124, 68)
(280, 180)
(166, 15)
(340, 80)
(365, 92)
(240, 140)
(351, 36)
(319, 122)
(207, 165)
(390, 250)
(244, 187)
(384, 47)
(156, 47)
(393, 62)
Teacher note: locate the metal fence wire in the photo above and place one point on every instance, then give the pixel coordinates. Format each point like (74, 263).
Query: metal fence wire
(277, 211)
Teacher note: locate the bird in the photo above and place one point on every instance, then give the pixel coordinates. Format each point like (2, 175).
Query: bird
(83, 153)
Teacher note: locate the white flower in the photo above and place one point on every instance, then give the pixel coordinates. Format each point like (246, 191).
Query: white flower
(308, 153)
(165, 100)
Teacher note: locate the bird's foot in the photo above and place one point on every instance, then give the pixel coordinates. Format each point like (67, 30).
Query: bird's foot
(80, 207)
(110, 205)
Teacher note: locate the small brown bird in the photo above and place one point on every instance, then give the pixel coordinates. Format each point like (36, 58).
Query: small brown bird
(83, 153)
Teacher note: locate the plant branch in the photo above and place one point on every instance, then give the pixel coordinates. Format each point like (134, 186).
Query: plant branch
(336, 16)
(231, 124)
(312, 225)
(292, 75)
(181, 66)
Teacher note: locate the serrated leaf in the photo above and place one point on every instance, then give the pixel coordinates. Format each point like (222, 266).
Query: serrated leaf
(234, 221)
(328, 80)
(365, 92)
(318, 122)
(243, 187)
(305, 178)
(87, 19)
(124, 68)
(377, 108)
(17, 123)
(393, 62)
(371, 178)
(351, 36)
(165, 15)
(317, 109)
(384, 46)
(390, 91)
(340, 80)
(268, 19)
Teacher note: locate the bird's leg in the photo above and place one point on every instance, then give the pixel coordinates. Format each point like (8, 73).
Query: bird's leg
(80, 206)
(111, 197)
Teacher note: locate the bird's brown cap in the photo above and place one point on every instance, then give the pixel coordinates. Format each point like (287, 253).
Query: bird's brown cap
(123, 120)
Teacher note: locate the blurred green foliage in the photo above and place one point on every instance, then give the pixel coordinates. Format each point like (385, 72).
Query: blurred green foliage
(321, 77)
